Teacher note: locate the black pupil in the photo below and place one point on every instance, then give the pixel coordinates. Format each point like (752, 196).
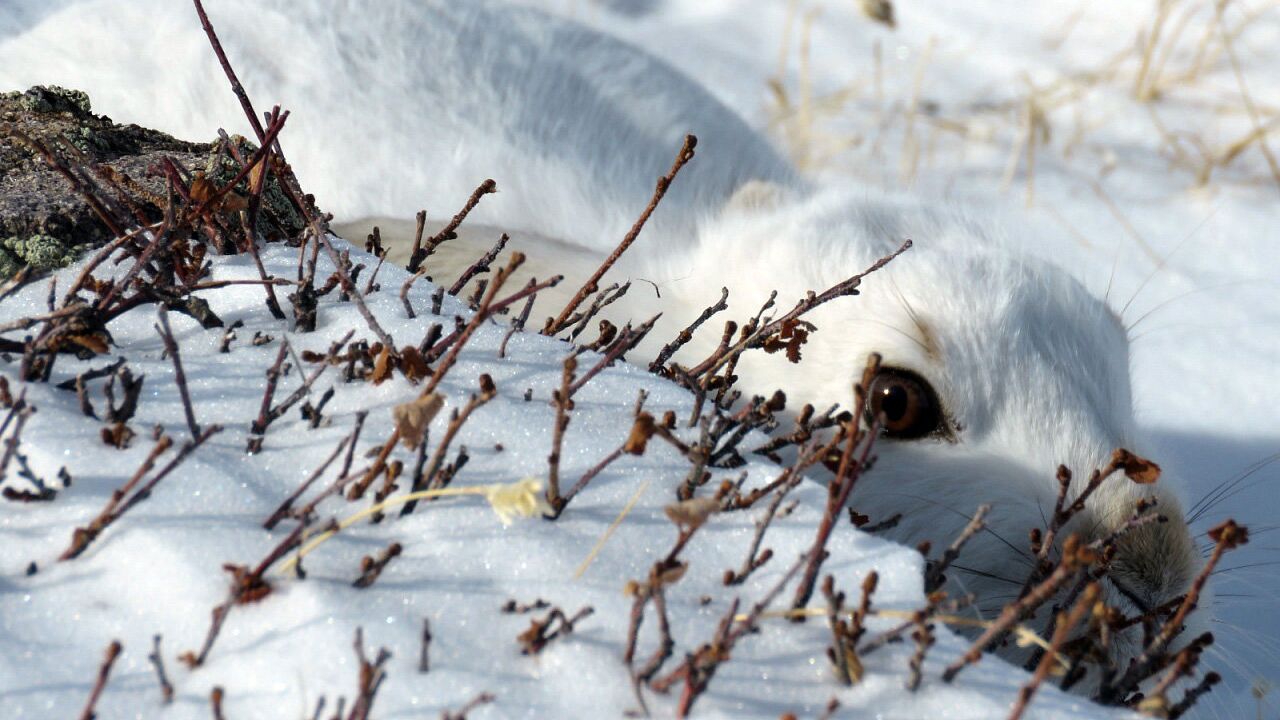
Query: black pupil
(893, 402)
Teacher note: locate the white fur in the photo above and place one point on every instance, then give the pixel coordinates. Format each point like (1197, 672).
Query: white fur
(413, 104)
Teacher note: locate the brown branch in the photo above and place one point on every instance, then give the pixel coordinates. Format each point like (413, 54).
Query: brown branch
(841, 289)
(1075, 557)
(483, 698)
(1066, 623)
(935, 576)
(428, 479)
(82, 186)
(448, 231)
(686, 334)
(603, 299)
(119, 504)
(257, 159)
(700, 667)
(424, 656)
(627, 339)
(1192, 695)
(753, 560)
(553, 327)
(563, 403)
(371, 567)
(479, 266)
(590, 475)
(259, 426)
(518, 324)
(236, 87)
(924, 639)
(404, 293)
(371, 675)
(349, 287)
(1226, 536)
(842, 484)
(283, 510)
(180, 377)
(415, 256)
(216, 696)
(246, 586)
(157, 661)
(556, 624)
(104, 672)
(455, 344)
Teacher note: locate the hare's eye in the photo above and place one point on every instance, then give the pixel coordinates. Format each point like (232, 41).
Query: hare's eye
(906, 403)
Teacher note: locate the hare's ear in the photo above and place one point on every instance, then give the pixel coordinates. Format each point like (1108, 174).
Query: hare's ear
(756, 196)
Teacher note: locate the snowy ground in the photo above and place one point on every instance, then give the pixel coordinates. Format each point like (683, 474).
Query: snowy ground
(157, 570)
(1113, 197)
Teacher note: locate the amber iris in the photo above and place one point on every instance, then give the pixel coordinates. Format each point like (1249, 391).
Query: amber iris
(906, 404)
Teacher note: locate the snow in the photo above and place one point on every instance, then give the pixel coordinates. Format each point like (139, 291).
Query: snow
(158, 569)
(1205, 372)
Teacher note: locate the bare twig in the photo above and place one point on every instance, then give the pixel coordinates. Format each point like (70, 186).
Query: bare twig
(448, 231)
(120, 501)
(371, 675)
(180, 377)
(157, 661)
(686, 334)
(479, 266)
(553, 327)
(424, 656)
(104, 672)
(1066, 623)
(483, 698)
(371, 567)
(935, 576)
(564, 403)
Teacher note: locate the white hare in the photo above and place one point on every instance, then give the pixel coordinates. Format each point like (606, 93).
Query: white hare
(999, 367)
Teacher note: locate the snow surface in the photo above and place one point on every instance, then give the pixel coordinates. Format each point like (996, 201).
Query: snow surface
(1205, 374)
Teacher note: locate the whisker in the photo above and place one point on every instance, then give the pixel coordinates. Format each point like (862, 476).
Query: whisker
(1228, 488)
(1023, 554)
(1165, 260)
(985, 574)
(1189, 293)
(1269, 563)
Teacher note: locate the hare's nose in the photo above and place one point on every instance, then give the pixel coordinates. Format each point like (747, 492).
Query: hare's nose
(1155, 562)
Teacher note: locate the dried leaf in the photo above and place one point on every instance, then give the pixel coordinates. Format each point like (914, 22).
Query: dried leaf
(1230, 534)
(233, 202)
(1154, 706)
(412, 418)
(93, 343)
(880, 11)
(412, 365)
(382, 367)
(692, 513)
(246, 587)
(672, 575)
(641, 431)
(1137, 469)
(851, 660)
(201, 189)
(117, 435)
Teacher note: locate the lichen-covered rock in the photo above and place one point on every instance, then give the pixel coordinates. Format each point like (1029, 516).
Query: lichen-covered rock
(282, 218)
(41, 252)
(45, 223)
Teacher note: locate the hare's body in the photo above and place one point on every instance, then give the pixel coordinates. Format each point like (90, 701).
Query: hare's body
(403, 105)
